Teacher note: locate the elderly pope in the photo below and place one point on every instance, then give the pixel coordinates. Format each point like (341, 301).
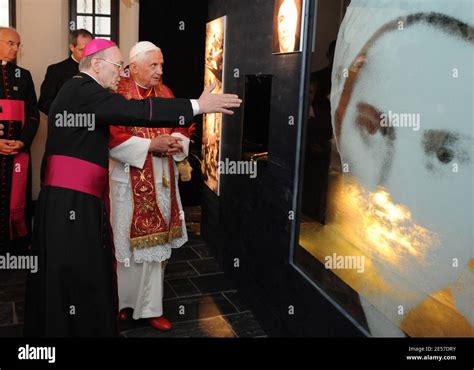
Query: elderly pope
(147, 215)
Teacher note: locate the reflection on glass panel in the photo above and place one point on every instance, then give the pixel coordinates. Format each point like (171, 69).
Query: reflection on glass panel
(388, 189)
(4, 13)
(84, 6)
(102, 6)
(84, 22)
(102, 25)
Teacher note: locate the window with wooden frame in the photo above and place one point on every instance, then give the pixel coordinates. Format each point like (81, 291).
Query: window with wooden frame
(100, 17)
(7, 13)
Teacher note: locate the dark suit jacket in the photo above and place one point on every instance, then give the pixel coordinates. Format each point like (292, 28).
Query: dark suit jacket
(56, 75)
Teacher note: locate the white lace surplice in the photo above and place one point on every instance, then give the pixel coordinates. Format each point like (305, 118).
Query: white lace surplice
(134, 152)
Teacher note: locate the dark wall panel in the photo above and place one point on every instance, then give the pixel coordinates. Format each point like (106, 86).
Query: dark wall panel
(183, 49)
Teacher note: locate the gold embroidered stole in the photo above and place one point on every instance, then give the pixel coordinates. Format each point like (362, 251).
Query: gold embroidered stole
(148, 227)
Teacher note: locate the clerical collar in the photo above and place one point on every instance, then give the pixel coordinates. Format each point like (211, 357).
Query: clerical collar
(74, 59)
(143, 87)
(91, 77)
(4, 62)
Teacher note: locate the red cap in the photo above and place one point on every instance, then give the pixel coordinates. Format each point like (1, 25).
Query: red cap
(97, 45)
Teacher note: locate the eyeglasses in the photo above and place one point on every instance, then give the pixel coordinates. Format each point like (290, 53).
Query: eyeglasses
(119, 65)
(12, 44)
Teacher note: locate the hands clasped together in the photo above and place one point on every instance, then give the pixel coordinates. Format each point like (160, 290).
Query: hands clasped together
(165, 145)
(9, 147)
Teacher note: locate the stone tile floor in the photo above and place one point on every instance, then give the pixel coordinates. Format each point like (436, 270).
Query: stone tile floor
(198, 299)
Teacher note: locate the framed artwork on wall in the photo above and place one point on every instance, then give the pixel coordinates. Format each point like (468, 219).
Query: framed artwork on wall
(212, 123)
(357, 195)
(287, 26)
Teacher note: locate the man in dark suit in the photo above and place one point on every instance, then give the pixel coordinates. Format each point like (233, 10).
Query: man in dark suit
(57, 74)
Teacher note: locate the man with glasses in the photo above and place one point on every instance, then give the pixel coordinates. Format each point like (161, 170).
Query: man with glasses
(58, 74)
(74, 291)
(18, 125)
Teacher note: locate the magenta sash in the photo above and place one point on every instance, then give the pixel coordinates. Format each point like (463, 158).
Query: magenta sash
(76, 174)
(85, 177)
(14, 110)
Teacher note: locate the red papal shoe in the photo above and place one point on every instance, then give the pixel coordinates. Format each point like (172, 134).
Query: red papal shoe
(123, 315)
(160, 323)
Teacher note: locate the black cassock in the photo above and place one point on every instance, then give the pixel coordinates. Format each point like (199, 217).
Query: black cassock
(73, 292)
(16, 84)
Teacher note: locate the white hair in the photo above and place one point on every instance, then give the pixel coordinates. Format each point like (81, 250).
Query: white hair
(139, 51)
(140, 57)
